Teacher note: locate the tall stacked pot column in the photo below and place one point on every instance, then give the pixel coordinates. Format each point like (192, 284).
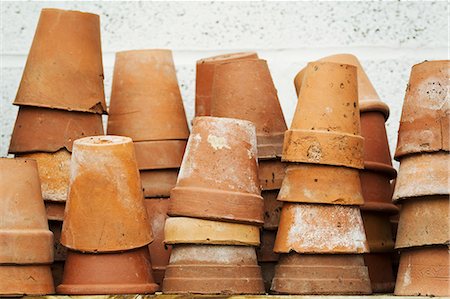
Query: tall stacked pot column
(422, 186)
(321, 235)
(146, 105)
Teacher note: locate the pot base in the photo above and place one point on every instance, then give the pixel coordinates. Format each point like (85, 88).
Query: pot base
(18, 280)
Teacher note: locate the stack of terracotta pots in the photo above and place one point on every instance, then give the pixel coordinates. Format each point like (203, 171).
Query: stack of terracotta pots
(321, 234)
(240, 86)
(216, 210)
(422, 186)
(106, 227)
(26, 244)
(146, 105)
(60, 99)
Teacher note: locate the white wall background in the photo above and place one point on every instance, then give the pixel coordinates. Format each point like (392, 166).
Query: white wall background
(388, 37)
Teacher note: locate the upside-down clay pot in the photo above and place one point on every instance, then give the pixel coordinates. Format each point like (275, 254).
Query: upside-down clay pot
(272, 209)
(271, 173)
(424, 271)
(319, 228)
(380, 272)
(218, 178)
(376, 145)
(247, 84)
(105, 209)
(158, 182)
(146, 102)
(64, 66)
(205, 76)
(15, 280)
(321, 274)
(425, 121)
(377, 190)
(265, 251)
(213, 269)
(378, 231)
(161, 154)
(126, 272)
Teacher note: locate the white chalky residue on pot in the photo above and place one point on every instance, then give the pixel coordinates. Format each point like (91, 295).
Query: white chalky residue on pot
(307, 193)
(433, 93)
(407, 276)
(218, 142)
(188, 165)
(213, 254)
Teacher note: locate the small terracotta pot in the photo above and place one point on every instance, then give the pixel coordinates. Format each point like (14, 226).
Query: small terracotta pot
(425, 121)
(218, 179)
(268, 272)
(321, 274)
(317, 228)
(158, 182)
(161, 154)
(64, 67)
(378, 231)
(423, 175)
(213, 269)
(55, 210)
(326, 124)
(380, 272)
(205, 75)
(146, 102)
(313, 183)
(105, 208)
(424, 271)
(271, 173)
(376, 144)
(265, 251)
(377, 190)
(272, 209)
(184, 230)
(247, 84)
(424, 221)
(18, 280)
(127, 272)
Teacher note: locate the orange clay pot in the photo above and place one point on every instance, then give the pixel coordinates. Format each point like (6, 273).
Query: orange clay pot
(272, 209)
(425, 121)
(378, 231)
(316, 228)
(247, 84)
(218, 179)
(376, 145)
(271, 173)
(64, 67)
(18, 280)
(321, 274)
(380, 272)
(205, 75)
(313, 183)
(105, 208)
(158, 182)
(146, 102)
(377, 190)
(213, 269)
(265, 251)
(161, 154)
(127, 272)
(424, 271)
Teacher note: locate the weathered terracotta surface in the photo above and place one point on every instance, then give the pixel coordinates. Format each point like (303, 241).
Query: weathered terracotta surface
(218, 179)
(424, 221)
(127, 272)
(213, 269)
(423, 175)
(272, 209)
(326, 124)
(55, 210)
(380, 272)
(424, 271)
(321, 274)
(378, 231)
(49, 130)
(24, 233)
(159, 154)
(313, 183)
(15, 280)
(105, 208)
(268, 271)
(271, 173)
(205, 75)
(377, 190)
(158, 182)
(146, 102)
(425, 121)
(64, 66)
(184, 230)
(317, 228)
(265, 251)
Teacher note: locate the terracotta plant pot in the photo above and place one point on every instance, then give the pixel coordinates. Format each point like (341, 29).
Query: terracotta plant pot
(162, 154)
(326, 125)
(184, 230)
(316, 228)
(271, 173)
(205, 75)
(377, 190)
(64, 67)
(378, 231)
(376, 144)
(380, 272)
(15, 280)
(55, 210)
(265, 251)
(321, 274)
(218, 179)
(213, 269)
(158, 182)
(127, 272)
(268, 272)
(105, 208)
(424, 221)
(272, 209)
(424, 271)
(425, 121)
(146, 102)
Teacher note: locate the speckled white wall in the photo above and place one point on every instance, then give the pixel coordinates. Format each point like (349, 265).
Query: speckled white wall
(388, 37)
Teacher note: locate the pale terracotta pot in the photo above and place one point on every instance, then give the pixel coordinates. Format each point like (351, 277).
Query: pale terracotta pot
(265, 251)
(378, 231)
(271, 173)
(64, 66)
(380, 272)
(105, 207)
(158, 182)
(272, 209)
(161, 154)
(15, 280)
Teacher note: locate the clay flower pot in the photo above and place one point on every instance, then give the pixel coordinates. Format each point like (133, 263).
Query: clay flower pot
(271, 173)
(377, 191)
(127, 272)
(376, 144)
(55, 210)
(380, 272)
(425, 121)
(326, 124)
(265, 251)
(158, 182)
(321, 274)
(64, 67)
(218, 179)
(15, 280)
(105, 208)
(205, 76)
(213, 269)
(424, 271)
(378, 231)
(316, 228)
(272, 209)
